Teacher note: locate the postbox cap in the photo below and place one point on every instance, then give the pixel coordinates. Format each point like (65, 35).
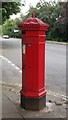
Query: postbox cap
(33, 23)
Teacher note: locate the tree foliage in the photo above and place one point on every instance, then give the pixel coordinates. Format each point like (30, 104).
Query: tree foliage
(63, 21)
(55, 14)
(8, 8)
(0, 30)
(9, 26)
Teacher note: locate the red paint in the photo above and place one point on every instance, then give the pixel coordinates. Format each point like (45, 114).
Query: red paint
(33, 15)
(33, 61)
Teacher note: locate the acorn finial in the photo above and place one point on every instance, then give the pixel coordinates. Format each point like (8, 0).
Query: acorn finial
(33, 15)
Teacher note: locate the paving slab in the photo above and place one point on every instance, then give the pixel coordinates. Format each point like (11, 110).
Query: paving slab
(9, 108)
(11, 115)
(55, 107)
(44, 113)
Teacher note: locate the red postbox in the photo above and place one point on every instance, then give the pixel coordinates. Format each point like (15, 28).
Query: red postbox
(33, 93)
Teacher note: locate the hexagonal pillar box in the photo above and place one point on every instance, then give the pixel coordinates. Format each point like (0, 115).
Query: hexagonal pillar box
(33, 93)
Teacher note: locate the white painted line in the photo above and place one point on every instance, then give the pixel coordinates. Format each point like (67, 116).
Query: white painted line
(20, 85)
(5, 58)
(9, 61)
(20, 71)
(57, 95)
(13, 64)
(16, 84)
(1, 56)
(17, 68)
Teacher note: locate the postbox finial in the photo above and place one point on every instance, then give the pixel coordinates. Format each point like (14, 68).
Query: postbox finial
(33, 15)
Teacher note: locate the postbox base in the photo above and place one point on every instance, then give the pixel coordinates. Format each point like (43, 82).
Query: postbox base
(33, 103)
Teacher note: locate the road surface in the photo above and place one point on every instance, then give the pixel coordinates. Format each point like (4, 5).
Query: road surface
(55, 64)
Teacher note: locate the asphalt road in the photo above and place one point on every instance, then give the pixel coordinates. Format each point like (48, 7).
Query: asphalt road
(55, 64)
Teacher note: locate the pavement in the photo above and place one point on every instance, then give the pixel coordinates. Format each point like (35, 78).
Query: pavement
(56, 107)
(55, 42)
